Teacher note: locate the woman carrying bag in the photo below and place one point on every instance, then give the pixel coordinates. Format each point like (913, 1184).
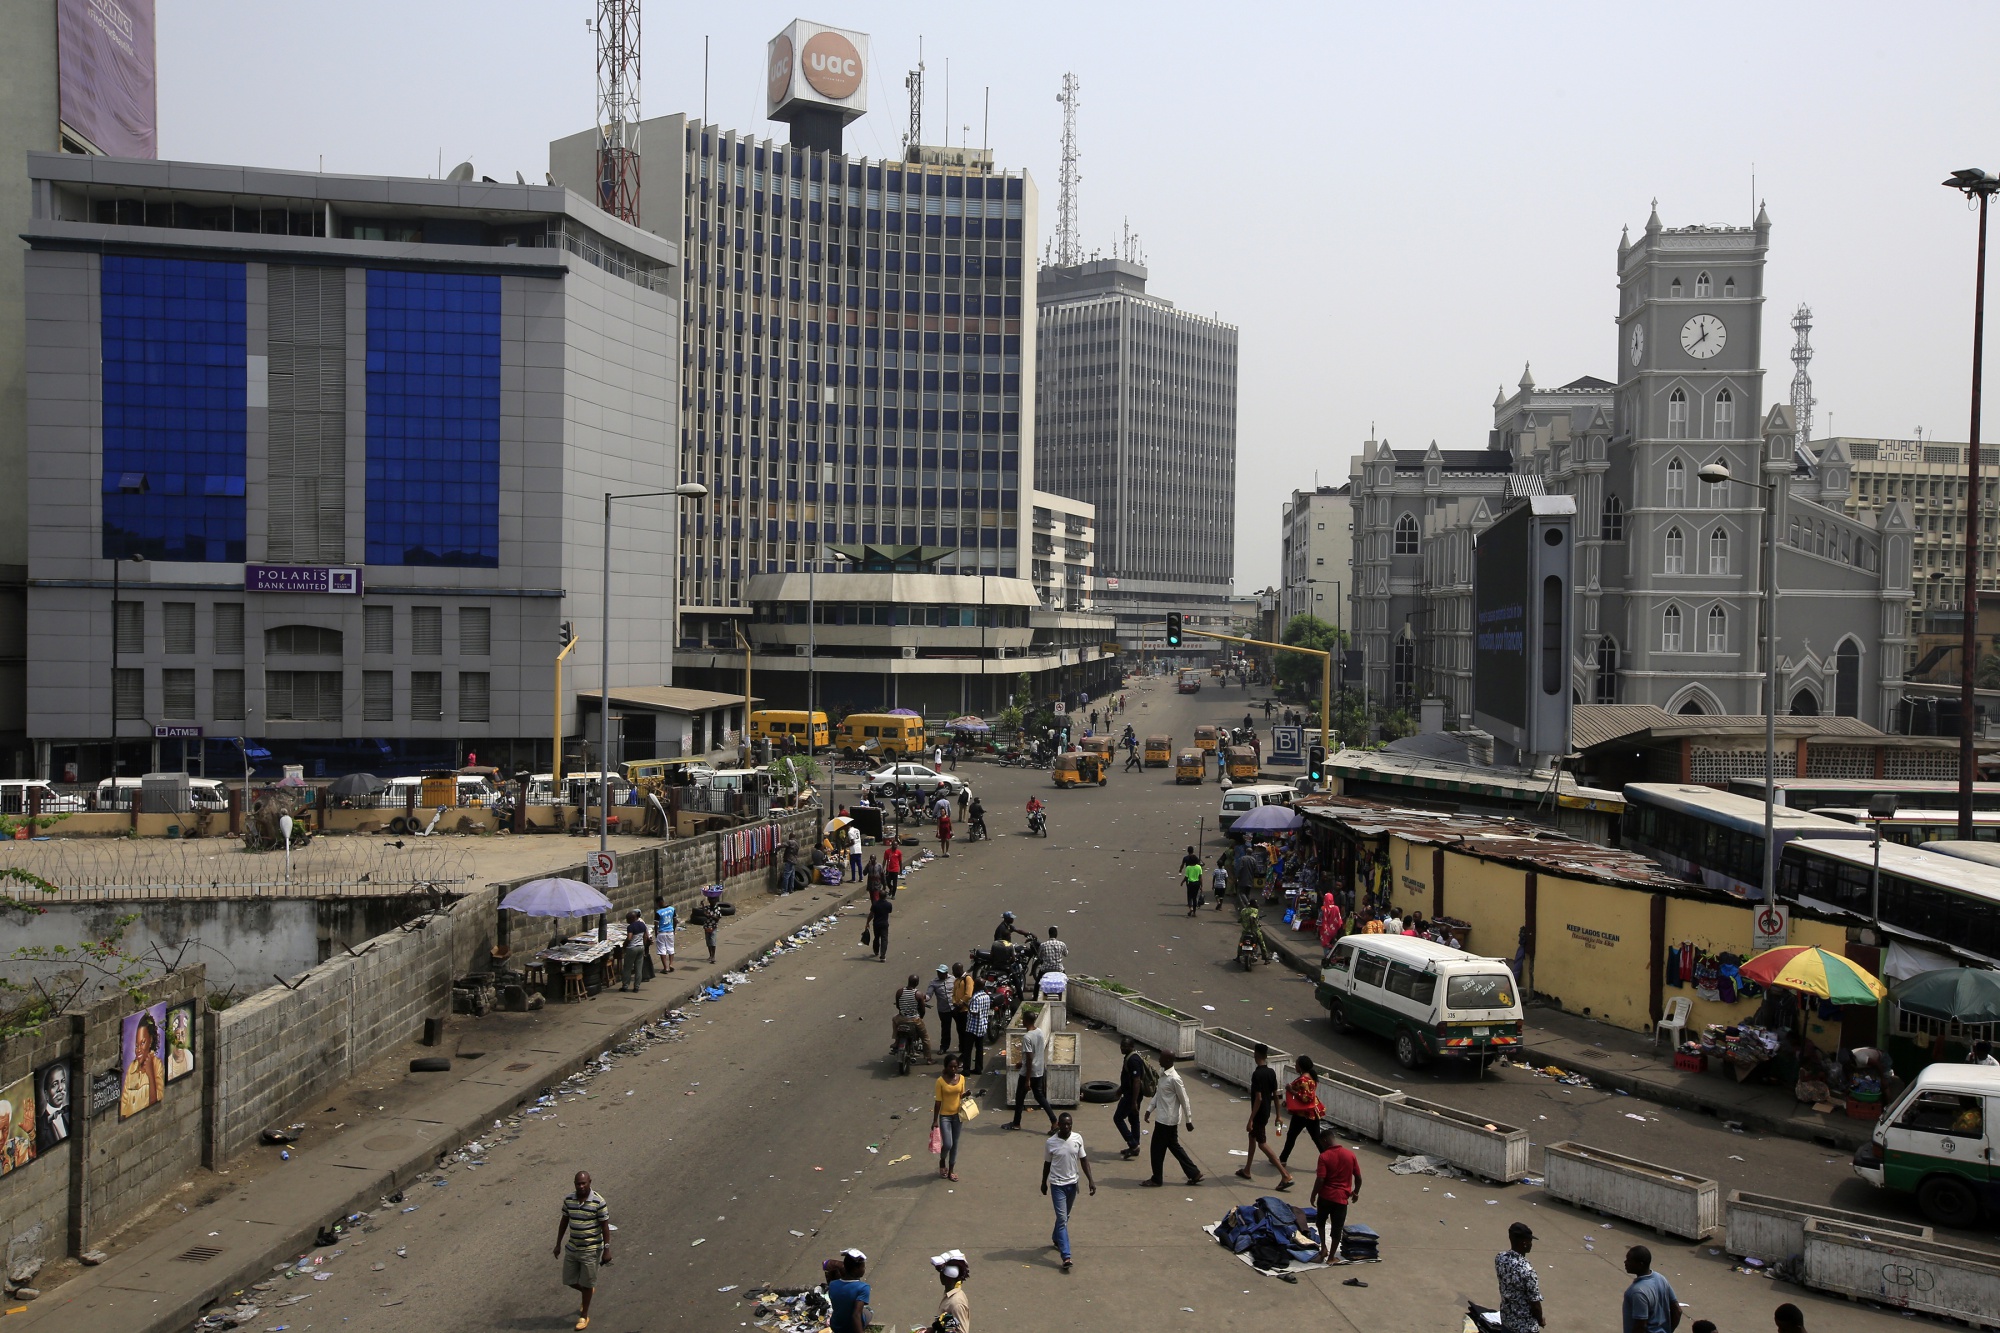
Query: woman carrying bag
(948, 1113)
(1302, 1104)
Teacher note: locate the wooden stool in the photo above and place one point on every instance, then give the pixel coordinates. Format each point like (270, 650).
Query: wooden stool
(573, 987)
(538, 975)
(612, 968)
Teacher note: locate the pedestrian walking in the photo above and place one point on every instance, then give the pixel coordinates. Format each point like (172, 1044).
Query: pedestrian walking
(1132, 1081)
(634, 961)
(962, 987)
(1221, 878)
(708, 915)
(854, 851)
(937, 757)
(1303, 1105)
(964, 800)
(940, 995)
(892, 868)
(872, 875)
(944, 832)
(1263, 1104)
(1062, 1158)
(1034, 1076)
(1520, 1289)
(954, 1312)
(1170, 1114)
(1789, 1318)
(978, 1017)
(878, 926)
(1191, 874)
(583, 1240)
(1650, 1305)
(947, 1099)
(663, 932)
(1336, 1183)
(849, 1295)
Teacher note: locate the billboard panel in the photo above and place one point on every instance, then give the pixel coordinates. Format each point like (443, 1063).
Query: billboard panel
(107, 85)
(1500, 582)
(817, 65)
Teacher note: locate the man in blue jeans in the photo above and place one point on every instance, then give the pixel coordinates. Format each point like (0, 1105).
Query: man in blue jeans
(1063, 1158)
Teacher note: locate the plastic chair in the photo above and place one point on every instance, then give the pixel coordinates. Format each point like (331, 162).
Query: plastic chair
(1674, 1021)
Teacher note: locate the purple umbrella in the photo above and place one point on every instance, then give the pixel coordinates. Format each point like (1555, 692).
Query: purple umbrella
(556, 897)
(1269, 819)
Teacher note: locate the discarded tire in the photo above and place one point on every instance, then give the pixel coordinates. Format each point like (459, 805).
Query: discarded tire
(727, 909)
(1099, 1090)
(399, 826)
(430, 1064)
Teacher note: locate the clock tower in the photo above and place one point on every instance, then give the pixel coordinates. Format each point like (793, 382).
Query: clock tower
(1690, 393)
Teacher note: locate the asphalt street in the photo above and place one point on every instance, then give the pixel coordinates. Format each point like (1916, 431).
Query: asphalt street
(778, 1133)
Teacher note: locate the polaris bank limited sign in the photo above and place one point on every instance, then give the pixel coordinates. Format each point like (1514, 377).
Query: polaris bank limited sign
(335, 579)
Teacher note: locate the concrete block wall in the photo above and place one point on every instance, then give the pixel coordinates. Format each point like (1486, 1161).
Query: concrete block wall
(285, 1046)
(110, 1169)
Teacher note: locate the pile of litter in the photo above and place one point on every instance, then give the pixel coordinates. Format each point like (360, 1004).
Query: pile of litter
(792, 1309)
(1557, 1073)
(1420, 1165)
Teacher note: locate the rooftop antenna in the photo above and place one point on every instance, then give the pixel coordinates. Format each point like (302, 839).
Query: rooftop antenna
(617, 29)
(1802, 353)
(704, 79)
(986, 122)
(913, 138)
(1068, 246)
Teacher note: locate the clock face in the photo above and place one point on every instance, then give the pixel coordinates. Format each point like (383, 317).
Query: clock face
(1638, 342)
(1703, 336)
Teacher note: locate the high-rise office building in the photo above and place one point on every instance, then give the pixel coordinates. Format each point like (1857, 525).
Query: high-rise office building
(854, 368)
(1136, 414)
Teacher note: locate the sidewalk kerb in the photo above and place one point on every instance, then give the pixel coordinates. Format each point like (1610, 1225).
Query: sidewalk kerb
(300, 1239)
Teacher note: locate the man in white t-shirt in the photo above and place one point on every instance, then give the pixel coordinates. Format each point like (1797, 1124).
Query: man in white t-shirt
(1062, 1159)
(1034, 1077)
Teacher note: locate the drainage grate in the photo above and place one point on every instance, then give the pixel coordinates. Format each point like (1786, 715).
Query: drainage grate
(200, 1254)
(519, 1065)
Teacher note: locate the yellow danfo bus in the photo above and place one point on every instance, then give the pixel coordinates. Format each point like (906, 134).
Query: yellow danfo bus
(779, 725)
(895, 735)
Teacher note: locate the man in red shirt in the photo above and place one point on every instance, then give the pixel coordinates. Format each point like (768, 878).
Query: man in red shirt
(892, 867)
(1336, 1184)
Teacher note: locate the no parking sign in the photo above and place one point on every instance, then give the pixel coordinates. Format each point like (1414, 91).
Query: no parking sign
(603, 870)
(1771, 925)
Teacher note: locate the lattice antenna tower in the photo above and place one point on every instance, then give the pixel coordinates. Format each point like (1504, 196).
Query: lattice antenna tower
(1802, 394)
(1068, 239)
(913, 138)
(617, 29)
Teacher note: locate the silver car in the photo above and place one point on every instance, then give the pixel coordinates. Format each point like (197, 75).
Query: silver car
(909, 779)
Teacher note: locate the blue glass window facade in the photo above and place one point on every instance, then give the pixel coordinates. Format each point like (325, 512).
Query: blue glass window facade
(173, 408)
(433, 419)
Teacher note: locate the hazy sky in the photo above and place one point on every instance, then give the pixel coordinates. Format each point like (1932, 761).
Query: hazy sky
(1397, 205)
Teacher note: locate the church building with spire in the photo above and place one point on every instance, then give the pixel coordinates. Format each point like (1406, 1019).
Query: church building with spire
(1669, 580)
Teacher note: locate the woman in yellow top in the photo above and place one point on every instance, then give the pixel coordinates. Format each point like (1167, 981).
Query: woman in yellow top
(944, 1116)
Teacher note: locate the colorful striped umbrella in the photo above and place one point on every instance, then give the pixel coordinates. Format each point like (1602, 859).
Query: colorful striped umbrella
(1816, 972)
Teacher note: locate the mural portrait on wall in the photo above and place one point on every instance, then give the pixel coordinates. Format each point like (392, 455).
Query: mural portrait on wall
(145, 1073)
(180, 1041)
(17, 1124)
(52, 1099)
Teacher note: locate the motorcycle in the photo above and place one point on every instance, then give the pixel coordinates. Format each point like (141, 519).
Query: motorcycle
(1250, 950)
(909, 1036)
(1038, 823)
(977, 831)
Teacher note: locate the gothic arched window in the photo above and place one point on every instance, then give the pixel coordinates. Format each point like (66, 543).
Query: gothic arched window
(1725, 415)
(1701, 283)
(1670, 630)
(1718, 552)
(1677, 415)
(1407, 542)
(1718, 630)
(1676, 552)
(1611, 525)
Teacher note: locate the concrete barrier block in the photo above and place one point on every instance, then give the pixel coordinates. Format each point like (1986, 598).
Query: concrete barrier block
(1922, 1276)
(1353, 1102)
(1674, 1203)
(1157, 1025)
(1484, 1147)
(1231, 1055)
(1761, 1226)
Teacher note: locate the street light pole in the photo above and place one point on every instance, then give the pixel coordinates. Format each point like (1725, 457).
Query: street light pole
(1718, 474)
(1973, 184)
(687, 490)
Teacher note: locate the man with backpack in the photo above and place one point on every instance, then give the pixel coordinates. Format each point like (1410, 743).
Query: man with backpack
(1136, 1082)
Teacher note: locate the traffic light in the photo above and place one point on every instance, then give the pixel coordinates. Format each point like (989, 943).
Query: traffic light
(1173, 629)
(566, 635)
(1316, 763)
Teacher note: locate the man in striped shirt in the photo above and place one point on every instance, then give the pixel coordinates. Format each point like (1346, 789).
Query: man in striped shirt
(978, 1015)
(583, 1239)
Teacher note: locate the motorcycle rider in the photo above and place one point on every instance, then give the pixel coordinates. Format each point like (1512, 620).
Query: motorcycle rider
(1036, 818)
(1247, 928)
(978, 824)
(909, 1020)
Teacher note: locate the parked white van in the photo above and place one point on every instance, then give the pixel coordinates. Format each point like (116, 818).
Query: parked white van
(119, 793)
(1241, 799)
(1938, 1143)
(18, 794)
(1430, 999)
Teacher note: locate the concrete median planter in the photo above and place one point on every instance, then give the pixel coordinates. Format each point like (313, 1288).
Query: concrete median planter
(1484, 1147)
(1674, 1203)
(1923, 1276)
(1763, 1227)
(1352, 1102)
(1158, 1026)
(1092, 1000)
(1232, 1056)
